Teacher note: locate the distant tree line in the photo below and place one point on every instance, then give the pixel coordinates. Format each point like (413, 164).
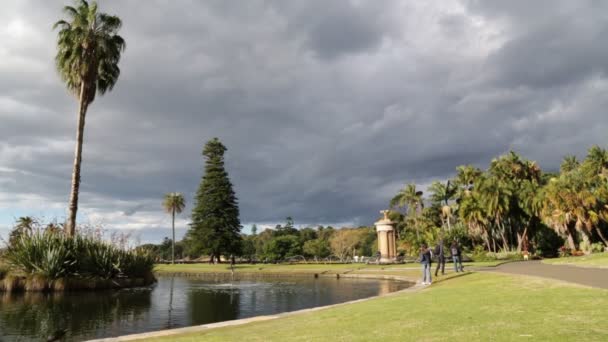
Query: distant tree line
(511, 207)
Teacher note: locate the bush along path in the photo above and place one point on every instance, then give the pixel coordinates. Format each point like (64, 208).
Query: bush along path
(594, 277)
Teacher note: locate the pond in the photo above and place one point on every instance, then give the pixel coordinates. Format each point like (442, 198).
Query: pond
(172, 303)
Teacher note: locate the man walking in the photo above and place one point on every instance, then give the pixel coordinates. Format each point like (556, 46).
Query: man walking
(425, 261)
(439, 252)
(456, 256)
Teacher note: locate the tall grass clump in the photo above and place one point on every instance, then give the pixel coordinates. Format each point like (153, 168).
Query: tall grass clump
(55, 256)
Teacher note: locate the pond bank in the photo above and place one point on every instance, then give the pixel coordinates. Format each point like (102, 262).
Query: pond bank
(36, 283)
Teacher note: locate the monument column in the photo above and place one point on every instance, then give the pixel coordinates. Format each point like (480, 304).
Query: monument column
(386, 238)
(391, 244)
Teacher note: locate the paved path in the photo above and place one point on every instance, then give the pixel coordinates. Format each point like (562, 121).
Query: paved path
(595, 277)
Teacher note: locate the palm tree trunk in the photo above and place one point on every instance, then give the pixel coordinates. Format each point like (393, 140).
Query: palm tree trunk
(487, 239)
(173, 240)
(73, 206)
(570, 238)
(599, 232)
(505, 243)
(521, 238)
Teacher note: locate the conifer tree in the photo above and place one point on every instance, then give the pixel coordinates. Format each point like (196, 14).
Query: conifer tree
(215, 228)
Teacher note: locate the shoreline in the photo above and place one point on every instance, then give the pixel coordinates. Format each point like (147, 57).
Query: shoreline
(21, 284)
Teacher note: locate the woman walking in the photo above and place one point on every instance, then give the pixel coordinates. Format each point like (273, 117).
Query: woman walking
(425, 261)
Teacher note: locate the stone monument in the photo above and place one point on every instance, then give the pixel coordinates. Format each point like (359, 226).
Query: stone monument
(386, 238)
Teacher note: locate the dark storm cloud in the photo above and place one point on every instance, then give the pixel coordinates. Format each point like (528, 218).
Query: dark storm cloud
(326, 107)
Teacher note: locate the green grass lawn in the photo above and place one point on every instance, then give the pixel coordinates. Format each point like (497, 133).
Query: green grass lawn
(475, 307)
(411, 272)
(593, 260)
(302, 268)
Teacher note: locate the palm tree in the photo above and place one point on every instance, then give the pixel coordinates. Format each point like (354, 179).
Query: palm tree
(495, 195)
(408, 196)
(88, 52)
(570, 163)
(596, 162)
(24, 226)
(473, 214)
(26, 223)
(174, 203)
(441, 195)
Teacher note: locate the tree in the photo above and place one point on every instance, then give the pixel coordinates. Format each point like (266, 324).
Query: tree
(569, 163)
(282, 247)
(307, 234)
(466, 176)
(317, 248)
(215, 227)
(596, 162)
(412, 199)
(344, 241)
(495, 196)
(254, 229)
(473, 214)
(248, 250)
(24, 225)
(441, 195)
(88, 52)
(288, 229)
(174, 203)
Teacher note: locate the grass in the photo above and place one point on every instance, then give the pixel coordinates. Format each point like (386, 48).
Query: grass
(303, 268)
(593, 260)
(476, 307)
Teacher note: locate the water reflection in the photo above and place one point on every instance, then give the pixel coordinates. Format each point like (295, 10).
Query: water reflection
(36, 316)
(173, 302)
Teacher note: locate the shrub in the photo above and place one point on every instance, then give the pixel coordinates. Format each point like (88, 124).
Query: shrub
(50, 255)
(564, 252)
(547, 242)
(479, 254)
(137, 264)
(585, 246)
(55, 256)
(597, 247)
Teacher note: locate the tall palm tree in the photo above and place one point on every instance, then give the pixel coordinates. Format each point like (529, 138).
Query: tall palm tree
(174, 203)
(410, 197)
(88, 52)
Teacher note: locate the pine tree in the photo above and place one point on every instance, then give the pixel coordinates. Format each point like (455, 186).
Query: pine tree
(254, 229)
(215, 227)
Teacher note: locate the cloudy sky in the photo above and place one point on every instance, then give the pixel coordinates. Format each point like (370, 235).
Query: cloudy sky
(326, 107)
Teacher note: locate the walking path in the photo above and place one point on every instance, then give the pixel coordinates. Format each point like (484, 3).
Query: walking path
(595, 277)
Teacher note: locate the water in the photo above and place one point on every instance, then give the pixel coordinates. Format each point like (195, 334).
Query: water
(172, 303)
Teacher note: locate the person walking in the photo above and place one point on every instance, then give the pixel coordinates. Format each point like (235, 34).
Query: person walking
(425, 261)
(440, 253)
(456, 256)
